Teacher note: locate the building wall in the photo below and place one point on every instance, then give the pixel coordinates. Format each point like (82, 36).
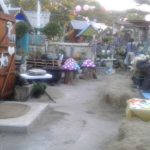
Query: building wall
(23, 43)
(71, 49)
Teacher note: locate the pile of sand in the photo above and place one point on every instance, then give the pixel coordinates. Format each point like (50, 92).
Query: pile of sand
(119, 90)
(133, 135)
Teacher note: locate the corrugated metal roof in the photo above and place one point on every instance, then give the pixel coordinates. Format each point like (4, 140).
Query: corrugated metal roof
(14, 10)
(32, 17)
(82, 31)
(83, 26)
(19, 14)
(88, 31)
(3, 6)
(79, 24)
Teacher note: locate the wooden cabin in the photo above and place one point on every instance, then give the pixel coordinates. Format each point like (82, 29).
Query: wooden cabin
(7, 55)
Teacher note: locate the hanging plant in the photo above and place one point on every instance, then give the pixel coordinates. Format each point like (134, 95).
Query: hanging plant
(21, 29)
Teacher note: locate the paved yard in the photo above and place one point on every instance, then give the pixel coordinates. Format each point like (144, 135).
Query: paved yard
(79, 120)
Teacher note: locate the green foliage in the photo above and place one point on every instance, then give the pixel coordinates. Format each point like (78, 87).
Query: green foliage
(107, 39)
(38, 89)
(52, 29)
(28, 4)
(21, 29)
(61, 10)
(35, 54)
(135, 16)
(121, 51)
(14, 3)
(89, 32)
(25, 4)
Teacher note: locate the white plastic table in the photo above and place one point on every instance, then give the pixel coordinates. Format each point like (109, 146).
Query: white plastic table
(36, 78)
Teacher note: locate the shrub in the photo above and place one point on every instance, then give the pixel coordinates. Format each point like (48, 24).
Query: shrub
(21, 29)
(38, 89)
(51, 30)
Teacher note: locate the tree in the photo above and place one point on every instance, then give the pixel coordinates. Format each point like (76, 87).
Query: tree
(21, 29)
(52, 30)
(25, 4)
(135, 15)
(28, 4)
(61, 10)
(14, 3)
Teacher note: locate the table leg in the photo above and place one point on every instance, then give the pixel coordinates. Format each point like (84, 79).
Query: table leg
(50, 98)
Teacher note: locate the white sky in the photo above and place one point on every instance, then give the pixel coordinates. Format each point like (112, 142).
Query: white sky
(118, 5)
(145, 7)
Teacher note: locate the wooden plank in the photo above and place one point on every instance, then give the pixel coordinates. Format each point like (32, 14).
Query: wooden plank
(6, 17)
(3, 37)
(5, 73)
(39, 63)
(7, 76)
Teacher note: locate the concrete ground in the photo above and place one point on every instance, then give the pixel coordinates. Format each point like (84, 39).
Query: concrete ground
(79, 120)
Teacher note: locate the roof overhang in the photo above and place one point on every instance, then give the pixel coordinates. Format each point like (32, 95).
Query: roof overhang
(3, 6)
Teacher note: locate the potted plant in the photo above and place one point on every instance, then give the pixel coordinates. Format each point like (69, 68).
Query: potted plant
(38, 89)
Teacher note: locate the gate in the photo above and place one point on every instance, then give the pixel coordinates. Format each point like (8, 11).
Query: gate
(7, 55)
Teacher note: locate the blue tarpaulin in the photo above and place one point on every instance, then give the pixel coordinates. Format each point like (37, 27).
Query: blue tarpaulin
(21, 17)
(146, 95)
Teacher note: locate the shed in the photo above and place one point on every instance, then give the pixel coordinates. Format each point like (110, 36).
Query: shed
(79, 30)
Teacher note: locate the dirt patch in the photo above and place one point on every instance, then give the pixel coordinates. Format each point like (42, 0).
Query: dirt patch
(12, 110)
(133, 135)
(118, 99)
(119, 90)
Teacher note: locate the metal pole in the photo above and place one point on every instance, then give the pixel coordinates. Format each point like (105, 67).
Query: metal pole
(38, 16)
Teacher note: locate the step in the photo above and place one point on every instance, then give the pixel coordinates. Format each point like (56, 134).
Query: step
(24, 123)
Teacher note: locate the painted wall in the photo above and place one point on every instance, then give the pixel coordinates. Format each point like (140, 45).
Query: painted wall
(23, 43)
(71, 49)
(29, 42)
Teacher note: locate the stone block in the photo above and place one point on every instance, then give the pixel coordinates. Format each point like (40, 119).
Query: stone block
(22, 93)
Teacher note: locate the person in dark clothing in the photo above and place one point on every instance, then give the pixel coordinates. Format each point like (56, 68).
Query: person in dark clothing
(144, 67)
